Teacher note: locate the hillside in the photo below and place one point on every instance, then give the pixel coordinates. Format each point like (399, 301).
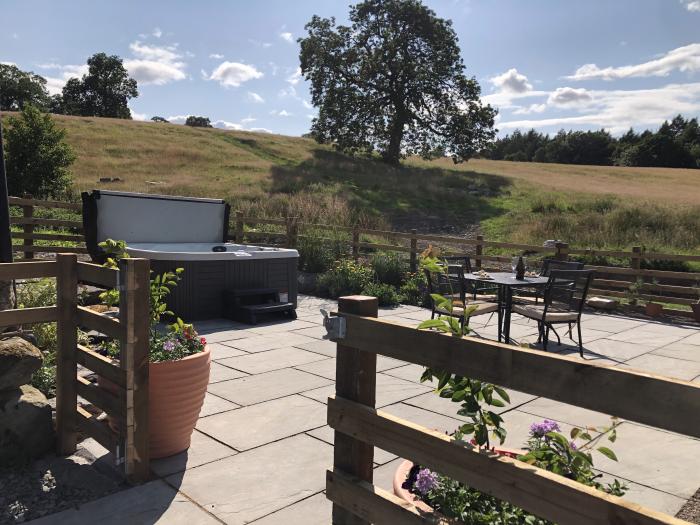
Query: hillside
(265, 174)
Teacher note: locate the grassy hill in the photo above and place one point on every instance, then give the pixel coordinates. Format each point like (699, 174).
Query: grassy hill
(273, 175)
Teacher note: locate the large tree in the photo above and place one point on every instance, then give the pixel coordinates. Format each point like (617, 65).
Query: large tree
(18, 88)
(103, 92)
(394, 82)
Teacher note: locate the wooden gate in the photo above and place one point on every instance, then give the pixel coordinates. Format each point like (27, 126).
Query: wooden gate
(657, 401)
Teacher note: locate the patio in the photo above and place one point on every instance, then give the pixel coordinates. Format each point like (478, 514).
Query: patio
(261, 446)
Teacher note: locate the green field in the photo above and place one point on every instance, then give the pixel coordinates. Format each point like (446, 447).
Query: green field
(273, 175)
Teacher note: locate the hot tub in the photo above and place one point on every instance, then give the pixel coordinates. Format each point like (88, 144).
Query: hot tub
(188, 233)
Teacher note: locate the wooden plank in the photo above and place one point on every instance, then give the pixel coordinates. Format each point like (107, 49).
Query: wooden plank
(385, 233)
(446, 239)
(101, 365)
(265, 234)
(661, 274)
(134, 316)
(255, 220)
(98, 275)
(523, 247)
(49, 237)
(56, 223)
(671, 404)
(680, 290)
(388, 247)
(67, 334)
(103, 399)
(645, 297)
(330, 227)
(28, 230)
(355, 379)
(27, 270)
(98, 430)
(539, 491)
(601, 253)
(373, 504)
(20, 316)
(49, 249)
(100, 322)
(20, 201)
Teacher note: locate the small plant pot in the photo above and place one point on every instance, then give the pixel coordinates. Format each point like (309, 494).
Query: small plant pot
(653, 309)
(176, 391)
(696, 311)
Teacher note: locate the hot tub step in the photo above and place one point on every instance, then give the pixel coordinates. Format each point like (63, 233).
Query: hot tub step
(247, 305)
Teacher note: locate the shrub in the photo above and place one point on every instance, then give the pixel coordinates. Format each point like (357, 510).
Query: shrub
(390, 268)
(346, 277)
(317, 255)
(37, 156)
(385, 293)
(414, 290)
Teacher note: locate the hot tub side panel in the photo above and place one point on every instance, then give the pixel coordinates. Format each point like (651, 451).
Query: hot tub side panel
(199, 295)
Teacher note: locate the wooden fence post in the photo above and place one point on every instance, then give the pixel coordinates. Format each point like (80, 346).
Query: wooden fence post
(134, 298)
(28, 229)
(355, 243)
(479, 251)
(414, 251)
(292, 230)
(239, 227)
(562, 252)
(636, 259)
(66, 365)
(355, 380)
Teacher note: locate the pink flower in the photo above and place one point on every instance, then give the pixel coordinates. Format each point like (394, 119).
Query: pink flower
(203, 341)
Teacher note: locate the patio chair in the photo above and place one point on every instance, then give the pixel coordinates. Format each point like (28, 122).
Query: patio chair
(547, 266)
(564, 298)
(478, 291)
(452, 284)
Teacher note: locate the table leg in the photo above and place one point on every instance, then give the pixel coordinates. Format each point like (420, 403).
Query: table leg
(500, 312)
(506, 316)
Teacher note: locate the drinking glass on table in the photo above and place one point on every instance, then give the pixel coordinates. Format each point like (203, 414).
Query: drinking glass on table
(514, 264)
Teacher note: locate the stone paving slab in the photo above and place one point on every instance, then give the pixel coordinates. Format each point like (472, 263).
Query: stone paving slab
(222, 351)
(665, 366)
(264, 387)
(247, 486)
(680, 350)
(326, 348)
(149, 504)
(326, 434)
(272, 360)
(252, 426)
(203, 449)
(219, 372)
(215, 404)
(262, 343)
(316, 510)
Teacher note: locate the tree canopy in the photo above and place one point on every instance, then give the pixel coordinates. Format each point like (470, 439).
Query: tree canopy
(18, 88)
(393, 82)
(198, 122)
(104, 91)
(37, 157)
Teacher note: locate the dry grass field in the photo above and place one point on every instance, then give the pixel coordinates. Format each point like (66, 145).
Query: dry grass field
(265, 174)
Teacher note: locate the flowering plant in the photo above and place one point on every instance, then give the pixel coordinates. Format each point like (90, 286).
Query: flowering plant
(180, 341)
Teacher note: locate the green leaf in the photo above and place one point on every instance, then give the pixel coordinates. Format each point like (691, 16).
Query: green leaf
(431, 323)
(502, 393)
(575, 432)
(607, 453)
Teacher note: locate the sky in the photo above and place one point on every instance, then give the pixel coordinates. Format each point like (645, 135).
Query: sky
(545, 64)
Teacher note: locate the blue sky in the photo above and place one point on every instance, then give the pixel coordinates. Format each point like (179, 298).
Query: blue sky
(547, 64)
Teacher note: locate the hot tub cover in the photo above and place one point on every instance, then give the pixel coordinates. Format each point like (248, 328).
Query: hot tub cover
(147, 218)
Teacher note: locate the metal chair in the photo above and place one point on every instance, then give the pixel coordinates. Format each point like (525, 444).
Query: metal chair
(452, 284)
(564, 299)
(479, 291)
(555, 264)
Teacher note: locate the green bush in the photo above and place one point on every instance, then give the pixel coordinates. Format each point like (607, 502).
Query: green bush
(317, 255)
(390, 268)
(385, 293)
(414, 290)
(346, 277)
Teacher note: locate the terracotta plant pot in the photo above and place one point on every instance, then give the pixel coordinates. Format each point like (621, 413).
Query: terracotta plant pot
(653, 309)
(176, 391)
(696, 311)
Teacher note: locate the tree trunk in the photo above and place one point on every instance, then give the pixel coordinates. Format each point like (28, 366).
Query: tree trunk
(392, 154)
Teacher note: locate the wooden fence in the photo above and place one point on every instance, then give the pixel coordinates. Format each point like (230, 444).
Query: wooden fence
(674, 287)
(127, 402)
(657, 401)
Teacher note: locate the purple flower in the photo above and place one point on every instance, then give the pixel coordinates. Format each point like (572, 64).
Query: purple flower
(544, 427)
(573, 445)
(169, 345)
(426, 481)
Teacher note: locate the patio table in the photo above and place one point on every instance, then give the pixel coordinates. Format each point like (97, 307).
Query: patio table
(506, 282)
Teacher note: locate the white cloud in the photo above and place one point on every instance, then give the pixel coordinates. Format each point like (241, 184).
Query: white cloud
(261, 130)
(281, 113)
(511, 82)
(138, 116)
(177, 119)
(8, 63)
(507, 100)
(223, 124)
(54, 84)
(287, 37)
(217, 56)
(254, 97)
(685, 59)
(568, 97)
(248, 120)
(618, 110)
(692, 5)
(220, 123)
(234, 73)
(289, 91)
(157, 32)
(295, 77)
(307, 104)
(532, 108)
(155, 64)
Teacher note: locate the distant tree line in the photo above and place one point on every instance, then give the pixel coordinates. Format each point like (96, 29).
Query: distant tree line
(675, 144)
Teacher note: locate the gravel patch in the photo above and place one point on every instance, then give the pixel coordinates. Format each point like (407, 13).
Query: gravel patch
(53, 484)
(691, 510)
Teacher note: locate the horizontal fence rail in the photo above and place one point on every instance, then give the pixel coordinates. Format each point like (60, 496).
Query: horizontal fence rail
(673, 287)
(657, 401)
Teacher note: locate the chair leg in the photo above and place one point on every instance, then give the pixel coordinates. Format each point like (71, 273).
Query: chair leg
(545, 339)
(571, 335)
(539, 331)
(580, 340)
(558, 338)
